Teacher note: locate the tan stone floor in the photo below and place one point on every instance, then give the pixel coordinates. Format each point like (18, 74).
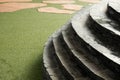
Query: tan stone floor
(10, 7)
(54, 10)
(67, 6)
(90, 1)
(15, 0)
(72, 6)
(58, 1)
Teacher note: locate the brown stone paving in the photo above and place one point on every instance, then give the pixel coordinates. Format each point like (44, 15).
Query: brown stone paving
(72, 6)
(10, 7)
(15, 0)
(90, 1)
(66, 4)
(55, 10)
(58, 1)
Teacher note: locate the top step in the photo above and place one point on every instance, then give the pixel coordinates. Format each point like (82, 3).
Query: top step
(114, 9)
(105, 29)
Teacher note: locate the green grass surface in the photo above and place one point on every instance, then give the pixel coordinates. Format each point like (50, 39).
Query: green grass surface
(22, 37)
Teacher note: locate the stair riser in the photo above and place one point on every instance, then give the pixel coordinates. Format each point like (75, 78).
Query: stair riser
(80, 65)
(63, 69)
(54, 64)
(106, 61)
(80, 46)
(45, 74)
(71, 56)
(113, 14)
(104, 36)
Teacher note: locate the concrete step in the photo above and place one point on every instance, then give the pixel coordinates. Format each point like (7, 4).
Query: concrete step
(93, 66)
(114, 10)
(79, 23)
(51, 65)
(103, 28)
(65, 57)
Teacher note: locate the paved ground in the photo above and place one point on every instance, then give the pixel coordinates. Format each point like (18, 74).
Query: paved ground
(67, 6)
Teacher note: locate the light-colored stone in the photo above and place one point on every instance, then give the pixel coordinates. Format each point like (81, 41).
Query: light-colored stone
(58, 1)
(15, 0)
(72, 6)
(54, 10)
(90, 1)
(10, 7)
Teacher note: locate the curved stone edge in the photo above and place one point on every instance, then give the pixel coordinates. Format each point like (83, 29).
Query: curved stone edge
(109, 60)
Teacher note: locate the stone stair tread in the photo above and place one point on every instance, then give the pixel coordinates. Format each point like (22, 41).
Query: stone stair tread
(115, 4)
(50, 63)
(48, 59)
(65, 59)
(95, 68)
(113, 10)
(106, 30)
(79, 25)
(98, 13)
(103, 73)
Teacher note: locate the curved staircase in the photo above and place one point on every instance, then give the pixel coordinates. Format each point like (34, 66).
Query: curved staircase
(87, 47)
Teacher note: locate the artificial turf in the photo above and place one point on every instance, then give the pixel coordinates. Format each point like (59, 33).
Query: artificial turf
(22, 37)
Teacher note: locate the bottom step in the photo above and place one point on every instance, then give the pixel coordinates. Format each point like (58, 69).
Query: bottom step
(51, 65)
(64, 55)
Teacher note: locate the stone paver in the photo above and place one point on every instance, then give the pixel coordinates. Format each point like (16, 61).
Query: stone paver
(10, 7)
(90, 1)
(15, 0)
(58, 1)
(72, 6)
(55, 10)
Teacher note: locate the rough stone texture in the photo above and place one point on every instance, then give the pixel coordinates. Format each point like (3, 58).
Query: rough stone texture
(86, 47)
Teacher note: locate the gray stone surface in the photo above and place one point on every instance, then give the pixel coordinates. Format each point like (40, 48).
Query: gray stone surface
(86, 47)
(85, 58)
(81, 28)
(63, 54)
(51, 63)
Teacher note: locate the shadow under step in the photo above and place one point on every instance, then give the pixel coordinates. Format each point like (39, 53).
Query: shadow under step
(107, 31)
(51, 66)
(114, 10)
(64, 55)
(90, 63)
(81, 28)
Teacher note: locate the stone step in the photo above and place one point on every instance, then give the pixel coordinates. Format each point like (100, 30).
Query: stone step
(92, 64)
(51, 67)
(79, 23)
(87, 47)
(65, 57)
(45, 74)
(103, 28)
(114, 10)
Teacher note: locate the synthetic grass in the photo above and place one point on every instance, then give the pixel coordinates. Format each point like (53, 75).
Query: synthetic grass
(22, 37)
